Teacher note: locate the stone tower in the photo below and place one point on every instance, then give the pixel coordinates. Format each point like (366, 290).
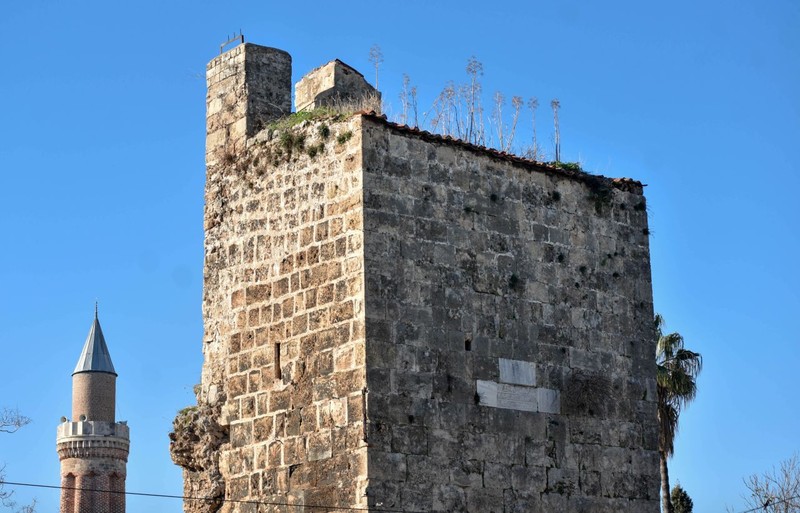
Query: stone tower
(395, 320)
(93, 447)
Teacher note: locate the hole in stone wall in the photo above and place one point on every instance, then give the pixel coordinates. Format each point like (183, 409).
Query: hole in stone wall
(410, 419)
(468, 345)
(515, 283)
(277, 360)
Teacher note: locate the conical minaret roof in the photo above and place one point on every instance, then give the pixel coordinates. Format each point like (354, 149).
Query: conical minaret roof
(95, 356)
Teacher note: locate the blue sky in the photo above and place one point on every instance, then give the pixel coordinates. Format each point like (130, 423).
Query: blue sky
(101, 160)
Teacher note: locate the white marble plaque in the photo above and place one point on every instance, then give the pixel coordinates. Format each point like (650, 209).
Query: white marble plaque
(512, 397)
(549, 400)
(517, 372)
(487, 393)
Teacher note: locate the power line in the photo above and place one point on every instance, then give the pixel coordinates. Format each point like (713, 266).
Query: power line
(289, 504)
(209, 499)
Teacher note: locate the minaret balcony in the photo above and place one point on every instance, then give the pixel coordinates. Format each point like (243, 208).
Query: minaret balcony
(93, 428)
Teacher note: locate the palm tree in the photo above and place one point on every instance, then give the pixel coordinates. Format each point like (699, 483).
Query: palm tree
(676, 383)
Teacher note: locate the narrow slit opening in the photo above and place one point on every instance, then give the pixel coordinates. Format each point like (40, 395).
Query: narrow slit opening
(277, 360)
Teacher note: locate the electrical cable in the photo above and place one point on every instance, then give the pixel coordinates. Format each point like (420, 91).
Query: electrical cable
(208, 499)
(289, 504)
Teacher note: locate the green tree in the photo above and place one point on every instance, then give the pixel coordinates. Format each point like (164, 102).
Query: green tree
(676, 384)
(681, 502)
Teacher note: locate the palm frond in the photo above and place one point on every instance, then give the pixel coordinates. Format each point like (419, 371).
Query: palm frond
(668, 345)
(689, 360)
(677, 369)
(658, 321)
(668, 420)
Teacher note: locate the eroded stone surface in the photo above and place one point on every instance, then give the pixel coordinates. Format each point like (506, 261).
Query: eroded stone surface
(195, 443)
(510, 281)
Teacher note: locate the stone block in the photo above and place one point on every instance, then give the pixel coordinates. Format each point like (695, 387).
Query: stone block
(410, 440)
(549, 401)
(318, 445)
(448, 498)
(496, 476)
(387, 466)
(481, 499)
(467, 474)
(501, 395)
(517, 372)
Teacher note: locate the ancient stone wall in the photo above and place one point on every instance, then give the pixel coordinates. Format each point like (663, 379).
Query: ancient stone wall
(509, 334)
(283, 307)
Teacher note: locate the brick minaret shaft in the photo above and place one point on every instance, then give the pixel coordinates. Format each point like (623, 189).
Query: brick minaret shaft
(93, 447)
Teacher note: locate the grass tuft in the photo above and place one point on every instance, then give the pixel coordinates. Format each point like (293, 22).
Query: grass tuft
(344, 137)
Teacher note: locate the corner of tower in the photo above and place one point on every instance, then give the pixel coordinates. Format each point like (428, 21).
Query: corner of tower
(249, 86)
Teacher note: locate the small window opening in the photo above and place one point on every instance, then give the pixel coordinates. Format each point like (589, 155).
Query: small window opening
(468, 345)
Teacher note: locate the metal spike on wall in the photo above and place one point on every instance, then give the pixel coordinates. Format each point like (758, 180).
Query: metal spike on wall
(235, 37)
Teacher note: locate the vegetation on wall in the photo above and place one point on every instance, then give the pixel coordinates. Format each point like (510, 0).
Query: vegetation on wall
(460, 111)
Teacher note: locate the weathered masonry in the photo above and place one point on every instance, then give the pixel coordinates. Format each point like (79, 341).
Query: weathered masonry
(398, 321)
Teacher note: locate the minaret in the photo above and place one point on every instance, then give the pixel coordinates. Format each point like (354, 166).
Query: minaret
(93, 447)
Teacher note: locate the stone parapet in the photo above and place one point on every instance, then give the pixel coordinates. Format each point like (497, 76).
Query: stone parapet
(332, 84)
(93, 427)
(93, 439)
